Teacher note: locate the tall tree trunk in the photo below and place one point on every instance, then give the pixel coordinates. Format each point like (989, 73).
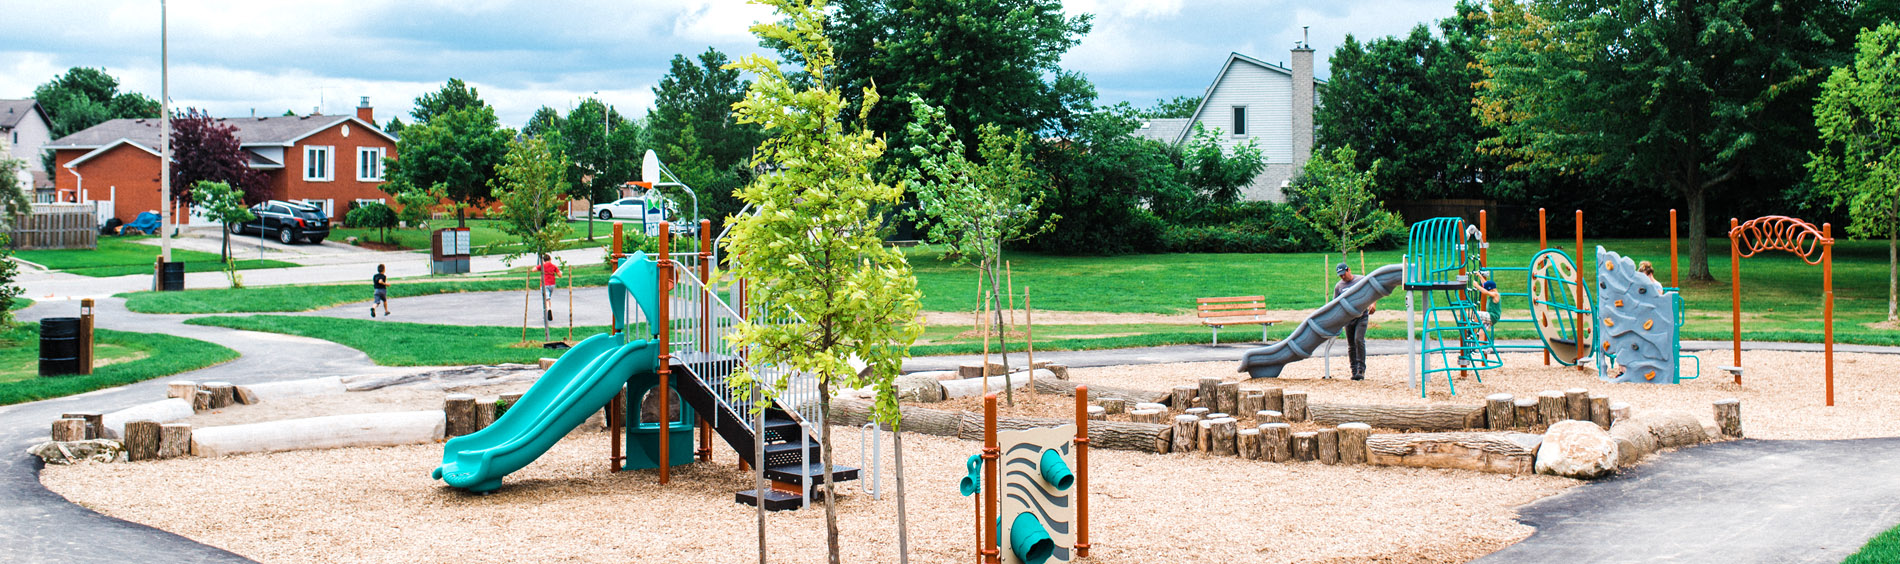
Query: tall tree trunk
(1694, 194)
(831, 492)
(903, 524)
(590, 219)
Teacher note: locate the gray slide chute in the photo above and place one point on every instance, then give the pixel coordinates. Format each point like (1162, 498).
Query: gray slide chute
(1325, 323)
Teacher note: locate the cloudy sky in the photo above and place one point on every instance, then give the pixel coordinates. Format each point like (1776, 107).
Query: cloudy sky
(234, 57)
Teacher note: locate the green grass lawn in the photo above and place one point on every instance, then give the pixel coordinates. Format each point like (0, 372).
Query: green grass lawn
(118, 256)
(485, 236)
(1882, 549)
(260, 299)
(164, 355)
(408, 344)
(20, 303)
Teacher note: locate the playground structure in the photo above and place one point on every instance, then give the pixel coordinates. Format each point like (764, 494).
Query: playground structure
(1781, 233)
(668, 362)
(1041, 475)
(1640, 324)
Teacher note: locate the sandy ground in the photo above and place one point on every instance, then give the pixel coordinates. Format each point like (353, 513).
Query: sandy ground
(1782, 392)
(394, 398)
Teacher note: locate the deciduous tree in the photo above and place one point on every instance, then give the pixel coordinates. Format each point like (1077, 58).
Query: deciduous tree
(85, 97)
(693, 129)
(1341, 203)
(204, 150)
(531, 185)
(1859, 163)
(225, 205)
(456, 149)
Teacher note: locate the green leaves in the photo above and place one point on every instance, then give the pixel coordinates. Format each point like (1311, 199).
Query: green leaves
(1340, 202)
(531, 185)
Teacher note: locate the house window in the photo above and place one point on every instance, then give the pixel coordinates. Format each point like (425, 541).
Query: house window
(369, 164)
(317, 165)
(1240, 120)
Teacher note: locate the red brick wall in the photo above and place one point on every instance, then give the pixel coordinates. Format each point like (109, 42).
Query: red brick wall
(343, 186)
(131, 170)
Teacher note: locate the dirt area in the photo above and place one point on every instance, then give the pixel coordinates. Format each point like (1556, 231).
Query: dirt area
(966, 319)
(395, 398)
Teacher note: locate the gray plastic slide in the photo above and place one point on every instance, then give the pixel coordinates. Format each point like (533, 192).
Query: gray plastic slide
(1328, 321)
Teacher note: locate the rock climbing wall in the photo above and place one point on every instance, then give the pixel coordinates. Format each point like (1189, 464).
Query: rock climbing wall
(1636, 321)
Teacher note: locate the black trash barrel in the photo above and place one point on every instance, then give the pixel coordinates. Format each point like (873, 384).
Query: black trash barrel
(59, 346)
(172, 278)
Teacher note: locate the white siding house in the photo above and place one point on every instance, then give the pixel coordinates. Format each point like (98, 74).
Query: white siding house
(1250, 99)
(24, 129)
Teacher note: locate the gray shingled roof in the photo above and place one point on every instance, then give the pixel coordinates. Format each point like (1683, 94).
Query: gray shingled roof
(12, 111)
(250, 131)
(1163, 130)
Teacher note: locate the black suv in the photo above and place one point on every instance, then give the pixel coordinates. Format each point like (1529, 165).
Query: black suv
(287, 221)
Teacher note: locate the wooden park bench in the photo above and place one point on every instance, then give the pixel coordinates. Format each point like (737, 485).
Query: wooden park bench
(1242, 310)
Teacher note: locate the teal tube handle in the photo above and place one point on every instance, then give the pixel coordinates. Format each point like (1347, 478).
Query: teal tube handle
(969, 484)
(1055, 470)
(1029, 540)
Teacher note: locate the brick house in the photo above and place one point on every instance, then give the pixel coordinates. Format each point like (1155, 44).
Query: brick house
(327, 160)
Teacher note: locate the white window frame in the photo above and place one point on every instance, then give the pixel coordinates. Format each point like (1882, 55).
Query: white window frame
(367, 157)
(329, 163)
(1240, 124)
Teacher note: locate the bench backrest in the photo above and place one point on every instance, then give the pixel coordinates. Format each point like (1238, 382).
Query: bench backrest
(1231, 307)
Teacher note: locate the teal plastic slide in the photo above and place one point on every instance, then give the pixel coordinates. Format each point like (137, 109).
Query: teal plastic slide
(580, 383)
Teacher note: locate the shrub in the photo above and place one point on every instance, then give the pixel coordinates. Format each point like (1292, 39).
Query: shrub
(371, 215)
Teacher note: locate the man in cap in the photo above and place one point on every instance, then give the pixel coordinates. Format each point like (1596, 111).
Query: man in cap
(1355, 332)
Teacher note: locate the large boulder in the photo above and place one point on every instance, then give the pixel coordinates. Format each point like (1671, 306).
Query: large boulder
(68, 452)
(1577, 449)
(921, 387)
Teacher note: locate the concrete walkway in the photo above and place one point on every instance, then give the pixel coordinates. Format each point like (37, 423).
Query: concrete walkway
(1729, 503)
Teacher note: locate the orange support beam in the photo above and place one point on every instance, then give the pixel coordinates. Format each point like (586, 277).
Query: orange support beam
(1543, 242)
(664, 327)
(1735, 290)
(1583, 295)
(991, 452)
(1082, 471)
(1484, 238)
(1673, 283)
(1827, 309)
(705, 327)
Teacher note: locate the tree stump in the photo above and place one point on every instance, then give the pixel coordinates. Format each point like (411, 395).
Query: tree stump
(1269, 416)
(1499, 414)
(1209, 392)
(223, 394)
(1527, 415)
(1728, 417)
(1352, 442)
(1186, 433)
(1295, 406)
(247, 396)
(460, 412)
(1550, 407)
(1113, 406)
(1275, 399)
(1148, 416)
(1618, 412)
(1600, 410)
(1247, 442)
(1216, 416)
(1151, 405)
(95, 422)
(141, 440)
(181, 389)
(201, 401)
(484, 414)
(1305, 446)
(1251, 401)
(1329, 446)
(1098, 413)
(1182, 399)
(1227, 397)
(1577, 404)
(1198, 412)
(69, 430)
(174, 440)
(1218, 435)
(1276, 442)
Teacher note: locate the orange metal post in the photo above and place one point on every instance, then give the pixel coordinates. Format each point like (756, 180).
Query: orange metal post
(1827, 310)
(620, 241)
(615, 409)
(1673, 283)
(1582, 293)
(1735, 291)
(705, 324)
(1082, 471)
(990, 482)
(1543, 242)
(1484, 236)
(664, 327)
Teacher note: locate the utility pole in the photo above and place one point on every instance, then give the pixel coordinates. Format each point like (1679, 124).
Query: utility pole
(165, 218)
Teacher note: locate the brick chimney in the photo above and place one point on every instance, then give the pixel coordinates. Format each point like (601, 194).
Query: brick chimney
(363, 111)
(1303, 96)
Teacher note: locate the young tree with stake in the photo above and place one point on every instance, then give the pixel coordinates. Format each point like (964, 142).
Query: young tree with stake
(531, 184)
(1340, 202)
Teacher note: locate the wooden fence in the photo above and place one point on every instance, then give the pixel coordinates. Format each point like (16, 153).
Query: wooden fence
(57, 226)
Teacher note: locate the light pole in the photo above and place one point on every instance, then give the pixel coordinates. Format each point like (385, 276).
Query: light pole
(164, 142)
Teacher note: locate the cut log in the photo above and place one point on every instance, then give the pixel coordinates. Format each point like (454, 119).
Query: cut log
(460, 409)
(272, 391)
(1410, 417)
(1221, 439)
(1216, 416)
(95, 422)
(1251, 401)
(856, 413)
(484, 414)
(1186, 433)
(1156, 416)
(141, 440)
(1269, 416)
(1600, 410)
(1113, 406)
(1203, 440)
(1295, 409)
(1060, 370)
(333, 431)
(974, 386)
(1329, 446)
(1654, 430)
(1550, 407)
(1618, 412)
(174, 440)
(1227, 397)
(1276, 399)
(976, 370)
(162, 411)
(69, 430)
(1097, 413)
(201, 401)
(1209, 394)
(1484, 452)
(1247, 443)
(1182, 399)
(1150, 405)
(1499, 415)
(1276, 442)
(1577, 404)
(1352, 442)
(247, 396)
(1527, 414)
(1305, 446)
(181, 389)
(1198, 412)
(223, 394)
(1728, 417)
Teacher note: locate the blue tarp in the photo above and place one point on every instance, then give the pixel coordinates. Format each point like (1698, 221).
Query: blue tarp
(147, 222)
